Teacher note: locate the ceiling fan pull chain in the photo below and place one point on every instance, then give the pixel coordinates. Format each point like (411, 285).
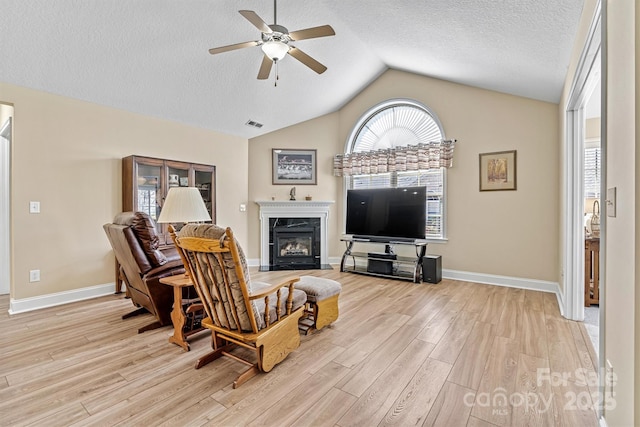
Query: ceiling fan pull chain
(275, 82)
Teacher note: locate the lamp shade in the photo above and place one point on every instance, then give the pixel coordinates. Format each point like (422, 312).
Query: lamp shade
(184, 204)
(275, 50)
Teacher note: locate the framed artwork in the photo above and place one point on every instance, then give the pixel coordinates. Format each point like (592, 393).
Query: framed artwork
(294, 167)
(498, 171)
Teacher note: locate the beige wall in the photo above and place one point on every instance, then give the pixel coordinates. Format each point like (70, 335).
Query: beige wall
(67, 155)
(634, 315)
(620, 239)
(6, 111)
(509, 233)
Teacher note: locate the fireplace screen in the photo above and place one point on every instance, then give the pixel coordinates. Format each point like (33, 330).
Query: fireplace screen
(294, 246)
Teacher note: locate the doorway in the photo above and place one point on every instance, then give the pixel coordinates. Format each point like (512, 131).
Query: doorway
(6, 132)
(590, 71)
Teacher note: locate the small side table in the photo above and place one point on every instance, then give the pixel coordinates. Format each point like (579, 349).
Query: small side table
(178, 317)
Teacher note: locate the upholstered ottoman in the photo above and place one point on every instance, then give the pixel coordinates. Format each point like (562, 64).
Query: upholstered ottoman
(322, 301)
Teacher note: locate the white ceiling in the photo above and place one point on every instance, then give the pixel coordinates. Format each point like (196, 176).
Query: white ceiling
(150, 56)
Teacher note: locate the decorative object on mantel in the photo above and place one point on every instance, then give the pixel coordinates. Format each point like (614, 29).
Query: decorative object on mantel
(308, 198)
(292, 193)
(294, 167)
(432, 155)
(595, 219)
(498, 171)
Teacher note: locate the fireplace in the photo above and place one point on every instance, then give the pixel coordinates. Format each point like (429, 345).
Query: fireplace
(294, 214)
(294, 243)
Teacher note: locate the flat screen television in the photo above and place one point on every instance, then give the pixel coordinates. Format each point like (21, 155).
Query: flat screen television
(387, 214)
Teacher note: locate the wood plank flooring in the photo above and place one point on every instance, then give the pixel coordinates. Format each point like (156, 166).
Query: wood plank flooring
(451, 354)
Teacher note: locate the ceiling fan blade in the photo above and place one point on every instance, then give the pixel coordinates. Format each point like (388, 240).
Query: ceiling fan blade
(265, 68)
(307, 60)
(221, 49)
(311, 33)
(253, 17)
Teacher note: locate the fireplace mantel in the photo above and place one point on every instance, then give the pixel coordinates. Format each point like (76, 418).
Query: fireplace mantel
(293, 209)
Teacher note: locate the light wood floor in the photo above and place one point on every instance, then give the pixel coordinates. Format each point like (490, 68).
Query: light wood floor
(451, 354)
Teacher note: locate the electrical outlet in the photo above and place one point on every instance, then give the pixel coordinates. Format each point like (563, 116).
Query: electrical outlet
(34, 275)
(243, 207)
(34, 207)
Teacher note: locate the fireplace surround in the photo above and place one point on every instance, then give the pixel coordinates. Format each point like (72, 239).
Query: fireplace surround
(290, 218)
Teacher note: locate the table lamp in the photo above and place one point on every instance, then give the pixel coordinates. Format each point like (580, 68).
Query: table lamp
(183, 205)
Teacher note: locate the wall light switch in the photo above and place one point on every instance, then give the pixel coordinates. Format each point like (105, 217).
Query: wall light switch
(243, 207)
(34, 207)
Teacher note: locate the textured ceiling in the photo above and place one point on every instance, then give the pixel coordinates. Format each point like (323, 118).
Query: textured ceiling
(150, 56)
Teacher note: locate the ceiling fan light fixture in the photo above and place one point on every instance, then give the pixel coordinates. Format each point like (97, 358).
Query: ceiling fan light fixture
(275, 50)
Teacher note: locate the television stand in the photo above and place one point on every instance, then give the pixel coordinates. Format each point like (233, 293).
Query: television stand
(384, 263)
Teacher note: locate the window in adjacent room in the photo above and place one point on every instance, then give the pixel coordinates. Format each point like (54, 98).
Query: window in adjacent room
(399, 123)
(592, 170)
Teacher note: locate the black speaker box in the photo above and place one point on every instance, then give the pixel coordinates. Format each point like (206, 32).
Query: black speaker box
(432, 268)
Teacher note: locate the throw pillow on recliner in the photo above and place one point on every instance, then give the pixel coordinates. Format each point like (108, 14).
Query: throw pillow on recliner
(145, 231)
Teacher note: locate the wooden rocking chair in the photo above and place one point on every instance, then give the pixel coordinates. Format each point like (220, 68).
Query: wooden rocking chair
(256, 316)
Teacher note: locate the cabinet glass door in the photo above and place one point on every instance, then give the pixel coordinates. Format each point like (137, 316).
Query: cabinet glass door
(178, 177)
(203, 183)
(149, 190)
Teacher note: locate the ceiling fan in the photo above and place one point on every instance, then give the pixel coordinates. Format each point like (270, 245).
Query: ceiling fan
(276, 42)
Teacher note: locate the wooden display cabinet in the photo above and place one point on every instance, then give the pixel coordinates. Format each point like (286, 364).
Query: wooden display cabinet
(146, 182)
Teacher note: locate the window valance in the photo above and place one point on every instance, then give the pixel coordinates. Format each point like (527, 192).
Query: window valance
(423, 156)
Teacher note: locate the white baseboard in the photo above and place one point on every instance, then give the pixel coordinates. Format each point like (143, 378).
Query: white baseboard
(50, 300)
(511, 282)
(560, 297)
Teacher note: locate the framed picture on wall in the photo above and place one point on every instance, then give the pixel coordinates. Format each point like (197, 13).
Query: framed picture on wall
(498, 171)
(294, 167)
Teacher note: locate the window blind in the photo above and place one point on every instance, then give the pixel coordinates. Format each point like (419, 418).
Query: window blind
(592, 172)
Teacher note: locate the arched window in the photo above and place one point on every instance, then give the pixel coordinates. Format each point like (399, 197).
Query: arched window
(392, 125)
(395, 123)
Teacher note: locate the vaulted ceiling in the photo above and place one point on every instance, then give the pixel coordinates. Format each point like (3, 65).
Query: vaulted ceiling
(151, 56)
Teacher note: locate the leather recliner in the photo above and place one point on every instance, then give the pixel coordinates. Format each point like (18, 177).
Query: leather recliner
(142, 263)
